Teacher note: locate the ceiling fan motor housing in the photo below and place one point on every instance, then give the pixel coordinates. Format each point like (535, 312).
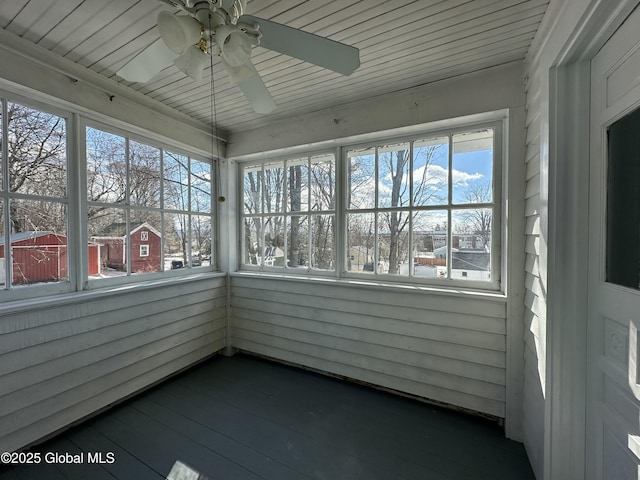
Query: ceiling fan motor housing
(216, 12)
(235, 8)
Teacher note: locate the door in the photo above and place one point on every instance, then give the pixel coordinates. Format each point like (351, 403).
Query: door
(613, 381)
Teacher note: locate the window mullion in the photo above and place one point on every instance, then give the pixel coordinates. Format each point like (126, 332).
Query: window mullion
(376, 215)
(162, 230)
(496, 209)
(287, 219)
(309, 217)
(263, 214)
(4, 135)
(78, 258)
(189, 215)
(410, 258)
(340, 208)
(127, 203)
(449, 206)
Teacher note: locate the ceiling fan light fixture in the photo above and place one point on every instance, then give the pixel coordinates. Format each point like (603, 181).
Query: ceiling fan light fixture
(192, 62)
(178, 32)
(235, 46)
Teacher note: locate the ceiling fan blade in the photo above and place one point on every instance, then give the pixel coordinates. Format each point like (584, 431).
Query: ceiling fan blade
(148, 63)
(249, 81)
(306, 46)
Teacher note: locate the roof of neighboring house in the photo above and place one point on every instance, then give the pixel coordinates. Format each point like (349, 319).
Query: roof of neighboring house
(147, 226)
(471, 260)
(443, 249)
(442, 233)
(113, 230)
(20, 236)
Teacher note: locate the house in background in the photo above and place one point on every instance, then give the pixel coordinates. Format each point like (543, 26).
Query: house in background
(550, 352)
(360, 258)
(41, 256)
(37, 257)
(146, 248)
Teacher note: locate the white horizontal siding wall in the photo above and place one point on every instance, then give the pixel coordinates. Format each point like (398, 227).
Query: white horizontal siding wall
(444, 347)
(535, 301)
(64, 361)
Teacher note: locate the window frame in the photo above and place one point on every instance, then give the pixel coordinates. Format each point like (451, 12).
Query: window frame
(495, 120)
(286, 213)
(10, 292)
(75, 201)
(163, 146)
(496, 230)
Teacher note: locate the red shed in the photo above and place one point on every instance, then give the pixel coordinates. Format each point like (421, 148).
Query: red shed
(40, 257)
(146, 248)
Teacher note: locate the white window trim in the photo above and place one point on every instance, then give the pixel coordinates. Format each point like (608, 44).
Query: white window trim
(17, 292)
(496, 237)
(144, 248)
(163, 146)
(309, 213)
(496, 120)
(77, 120)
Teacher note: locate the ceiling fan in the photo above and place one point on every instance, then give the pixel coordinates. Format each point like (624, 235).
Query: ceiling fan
(186, 39)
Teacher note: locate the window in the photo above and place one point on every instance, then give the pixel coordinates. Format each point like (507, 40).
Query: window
(139, 192)
(623, 202)
(419, 209)
(289, 216)
(33, 197)
(423, 207)
(73, 218)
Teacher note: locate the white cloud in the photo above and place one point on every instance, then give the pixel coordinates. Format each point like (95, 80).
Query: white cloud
(462, 179)
(436, 178)
(438, 175)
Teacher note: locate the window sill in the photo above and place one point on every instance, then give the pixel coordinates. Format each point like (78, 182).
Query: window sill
(459, 292)
(56, 300)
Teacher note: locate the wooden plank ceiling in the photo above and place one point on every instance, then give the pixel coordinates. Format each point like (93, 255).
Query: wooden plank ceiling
(403, 43)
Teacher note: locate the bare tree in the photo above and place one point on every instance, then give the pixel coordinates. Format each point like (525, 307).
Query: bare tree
(36, 149)
(295, 201)
(252, 205)
(187, 187)
(263, 193)
(144, 175)
(427, 188)
(274, 204)
(106, 167)
(295, 192)
(397, 163)
(323, 198)
(478, 221)
(176, 197)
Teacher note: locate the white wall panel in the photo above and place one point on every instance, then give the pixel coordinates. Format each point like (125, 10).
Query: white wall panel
(72, 356)
(475, 93)
(447, 348)
(535, 341)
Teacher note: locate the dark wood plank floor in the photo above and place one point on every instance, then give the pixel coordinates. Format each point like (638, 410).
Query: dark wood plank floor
(247, 418)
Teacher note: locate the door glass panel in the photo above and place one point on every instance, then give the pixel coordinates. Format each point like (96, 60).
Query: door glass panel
(623, 202)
